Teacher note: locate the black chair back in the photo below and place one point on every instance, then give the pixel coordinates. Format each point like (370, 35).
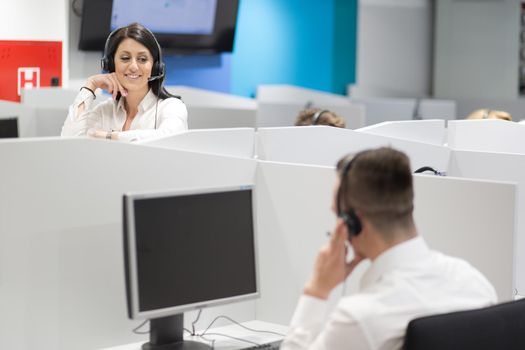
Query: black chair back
(496, 327)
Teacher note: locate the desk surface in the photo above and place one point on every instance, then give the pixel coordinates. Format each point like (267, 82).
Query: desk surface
(233, 330)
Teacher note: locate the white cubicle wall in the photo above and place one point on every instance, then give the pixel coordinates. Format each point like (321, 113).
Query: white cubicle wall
(489, 135)
(49, 97)
(391, 109)
(50, 107)
(206, 117)
(279, 105)
(275, 114)
(425, 131)
(27, 126)
(61, 253)
(210, 109)
(293, 206)
(238, 142)
(498, 167)
(200, 97)
(295, 94)
(324, 145)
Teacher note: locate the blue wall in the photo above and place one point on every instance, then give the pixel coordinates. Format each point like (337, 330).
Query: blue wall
(309, 43)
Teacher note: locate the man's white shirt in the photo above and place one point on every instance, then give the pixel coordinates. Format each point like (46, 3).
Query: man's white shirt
(405, 282)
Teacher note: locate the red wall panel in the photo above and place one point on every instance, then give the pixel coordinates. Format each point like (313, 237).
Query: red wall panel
(28, 64)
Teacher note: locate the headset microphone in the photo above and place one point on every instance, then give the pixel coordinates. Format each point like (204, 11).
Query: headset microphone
(155, 77)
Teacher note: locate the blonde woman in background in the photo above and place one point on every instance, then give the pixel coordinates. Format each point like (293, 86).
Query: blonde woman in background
(486, 113)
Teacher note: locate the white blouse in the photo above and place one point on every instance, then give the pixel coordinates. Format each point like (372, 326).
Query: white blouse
(170, 116)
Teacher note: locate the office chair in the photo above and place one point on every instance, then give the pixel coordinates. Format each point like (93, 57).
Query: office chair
(496, 327)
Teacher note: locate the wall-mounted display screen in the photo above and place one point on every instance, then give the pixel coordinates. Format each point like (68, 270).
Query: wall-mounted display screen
(179, 25)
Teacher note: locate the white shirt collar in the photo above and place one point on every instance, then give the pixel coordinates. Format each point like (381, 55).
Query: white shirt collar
(144, 105)
(408, 252)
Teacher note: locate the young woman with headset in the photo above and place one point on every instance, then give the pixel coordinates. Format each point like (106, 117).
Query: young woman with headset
(140, 107)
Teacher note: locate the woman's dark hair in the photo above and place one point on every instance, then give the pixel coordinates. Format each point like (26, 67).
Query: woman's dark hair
(143, 35)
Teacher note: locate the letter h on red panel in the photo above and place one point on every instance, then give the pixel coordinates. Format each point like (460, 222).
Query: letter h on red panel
(28, 78)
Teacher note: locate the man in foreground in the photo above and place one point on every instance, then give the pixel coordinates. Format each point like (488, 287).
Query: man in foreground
(373, 200)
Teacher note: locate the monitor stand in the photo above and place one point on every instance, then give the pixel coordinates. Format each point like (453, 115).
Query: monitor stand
(166, 333)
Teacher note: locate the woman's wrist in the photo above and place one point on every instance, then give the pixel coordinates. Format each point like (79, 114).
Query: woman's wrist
(91, 85)
(90, 90)
(112, 135)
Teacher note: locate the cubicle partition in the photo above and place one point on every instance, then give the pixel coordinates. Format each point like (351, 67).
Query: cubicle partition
(489, 135)
(493, 149)
(324, 145)
(391, 109)
(293, 207)
(279, 105)
(209, 109)
(498, 167)
(237, 142)
(207, 117)
(49, 97)
(289, 93)
(275, 114)
(26, 121)
(61, 253)
(425, 131)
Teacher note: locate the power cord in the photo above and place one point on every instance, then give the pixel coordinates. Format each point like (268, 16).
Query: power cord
(240, 325)
(195, 321)
(136, 329)
(205, 333)
(232, 337)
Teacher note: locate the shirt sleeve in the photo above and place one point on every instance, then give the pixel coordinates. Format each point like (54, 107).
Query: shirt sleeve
(78, 125)
(172, 119)
(309, 330)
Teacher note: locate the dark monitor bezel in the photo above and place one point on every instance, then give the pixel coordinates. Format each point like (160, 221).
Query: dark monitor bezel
(96, 26)
(130, 255)
(9, 127)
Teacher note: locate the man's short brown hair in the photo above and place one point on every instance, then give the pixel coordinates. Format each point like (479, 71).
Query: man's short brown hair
(378, 184)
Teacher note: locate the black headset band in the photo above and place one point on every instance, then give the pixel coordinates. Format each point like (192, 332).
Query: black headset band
(317, 115)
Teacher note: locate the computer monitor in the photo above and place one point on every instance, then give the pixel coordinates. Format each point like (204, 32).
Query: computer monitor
(8, 127)
(187, 250)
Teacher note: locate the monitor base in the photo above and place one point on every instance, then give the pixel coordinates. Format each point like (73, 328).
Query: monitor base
(183, 345)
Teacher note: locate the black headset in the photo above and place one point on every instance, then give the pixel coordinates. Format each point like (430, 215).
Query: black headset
(351, 220)
(317, 115)
(108, 63)
(428, 168)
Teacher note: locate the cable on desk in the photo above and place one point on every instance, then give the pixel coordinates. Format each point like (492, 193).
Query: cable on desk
(232, 337)
(212, 341)
(237, 323)
(136, 329)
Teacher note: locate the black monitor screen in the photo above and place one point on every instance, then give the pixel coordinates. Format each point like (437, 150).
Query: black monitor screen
(185, 26)
(8, 127)
(190, 250)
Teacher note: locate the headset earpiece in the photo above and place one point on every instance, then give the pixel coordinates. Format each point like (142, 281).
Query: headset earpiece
(317, 115)
(349, 217)
(352, 222)
(106, 63)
